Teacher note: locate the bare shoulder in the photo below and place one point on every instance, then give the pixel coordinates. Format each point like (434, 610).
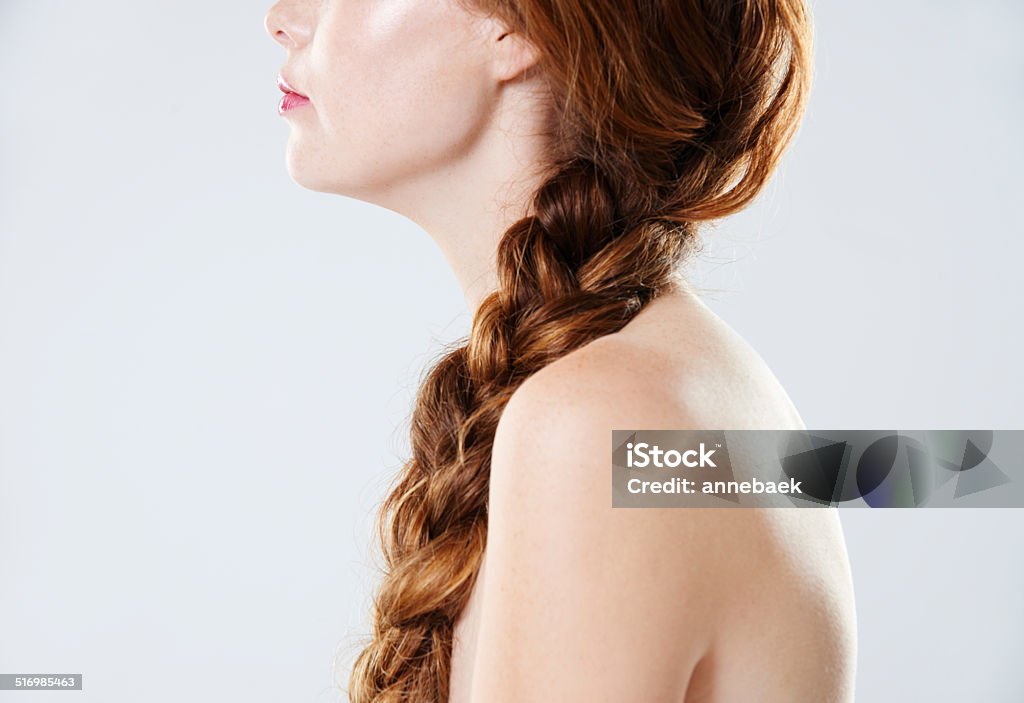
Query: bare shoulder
(585, 602)
(580, 602)
(675, 363)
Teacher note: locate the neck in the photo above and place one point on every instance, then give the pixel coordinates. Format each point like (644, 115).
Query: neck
(467, 203)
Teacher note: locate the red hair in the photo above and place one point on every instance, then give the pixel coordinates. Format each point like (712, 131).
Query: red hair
(671, 113)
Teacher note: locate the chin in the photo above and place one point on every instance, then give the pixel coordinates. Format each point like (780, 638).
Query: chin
(308, 181)
(315, 176)
(310, 177)
(302, 171)
(325, 183)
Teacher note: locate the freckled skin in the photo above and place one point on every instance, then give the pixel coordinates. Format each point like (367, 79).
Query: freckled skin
(414, 108)
(395, 86)
(422, 108)
(578, 601)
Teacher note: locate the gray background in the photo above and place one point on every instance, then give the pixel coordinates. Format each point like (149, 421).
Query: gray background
(205, 370)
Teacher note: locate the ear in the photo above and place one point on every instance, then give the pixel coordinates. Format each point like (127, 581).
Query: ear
(513, 53)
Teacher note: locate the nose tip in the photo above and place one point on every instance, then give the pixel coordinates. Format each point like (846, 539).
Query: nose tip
(273, 24)
(291, 23)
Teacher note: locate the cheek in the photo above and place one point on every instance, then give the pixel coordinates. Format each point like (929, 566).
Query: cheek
(394, 106)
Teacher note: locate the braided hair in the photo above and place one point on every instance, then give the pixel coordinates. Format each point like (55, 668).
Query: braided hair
(672, 113)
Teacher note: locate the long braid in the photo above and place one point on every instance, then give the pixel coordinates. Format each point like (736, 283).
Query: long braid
(553, 297)
(608, 232)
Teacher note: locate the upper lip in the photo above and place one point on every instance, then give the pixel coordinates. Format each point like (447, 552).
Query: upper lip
(285, 86)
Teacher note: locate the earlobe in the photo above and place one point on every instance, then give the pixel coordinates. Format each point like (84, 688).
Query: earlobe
(515, 55)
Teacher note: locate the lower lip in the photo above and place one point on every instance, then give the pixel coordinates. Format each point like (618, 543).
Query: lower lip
(290, 101)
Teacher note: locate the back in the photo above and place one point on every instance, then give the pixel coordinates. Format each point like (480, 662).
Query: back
(578, 601)
(785, 625)
(785, 621)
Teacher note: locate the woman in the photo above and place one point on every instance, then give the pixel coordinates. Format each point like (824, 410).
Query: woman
(563, 153)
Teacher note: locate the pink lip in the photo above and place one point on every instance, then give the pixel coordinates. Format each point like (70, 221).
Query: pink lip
(291, 99)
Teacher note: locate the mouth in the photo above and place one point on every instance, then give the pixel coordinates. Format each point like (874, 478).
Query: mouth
(291, 99)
